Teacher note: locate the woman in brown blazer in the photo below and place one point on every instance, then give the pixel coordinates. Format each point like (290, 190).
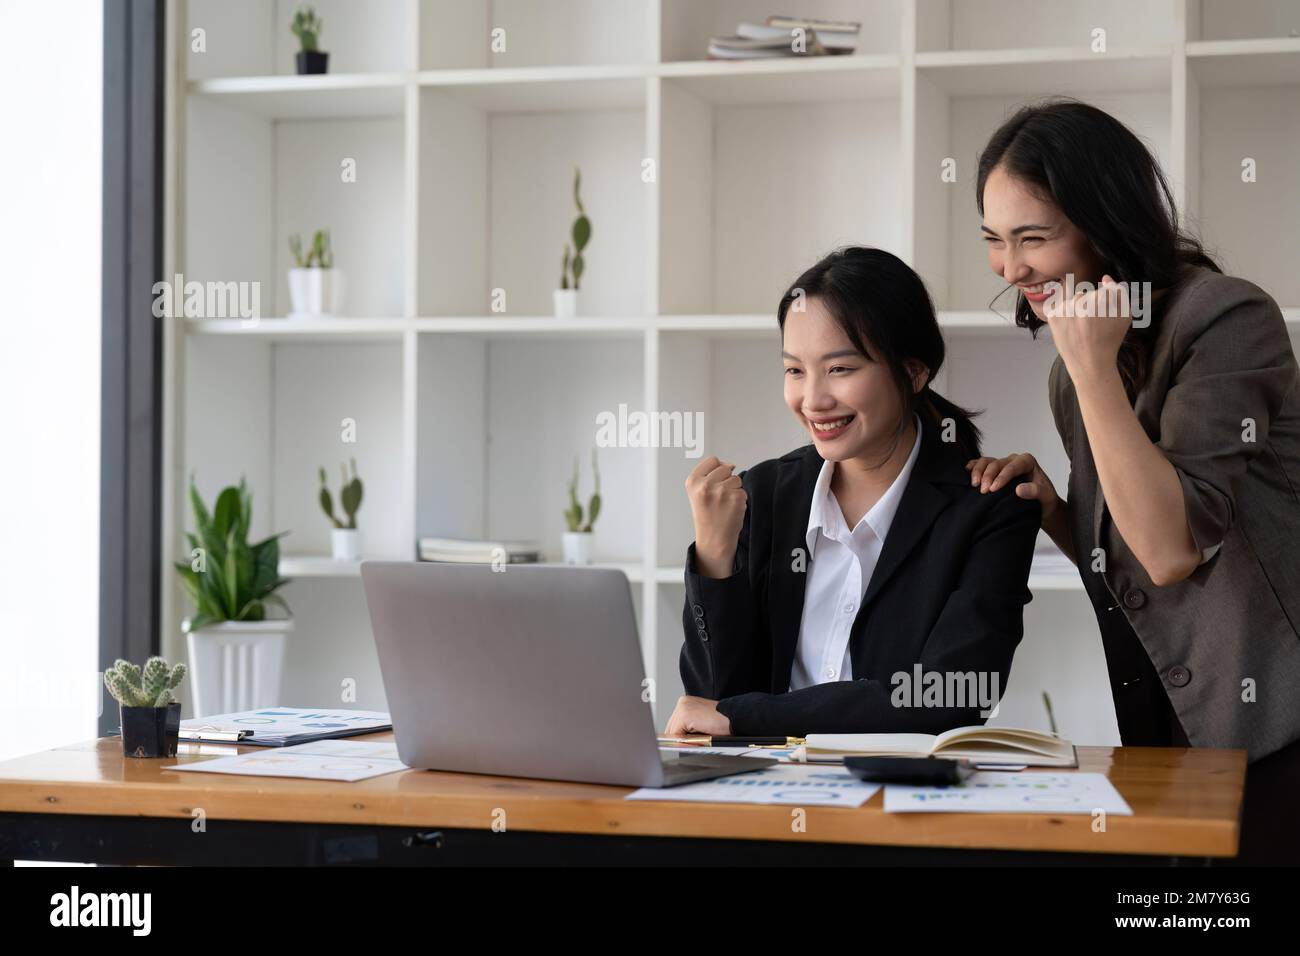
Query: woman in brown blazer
(1175, 394)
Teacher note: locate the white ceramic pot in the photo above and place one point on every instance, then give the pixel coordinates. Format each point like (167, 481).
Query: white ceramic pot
(315, 293)
(566, 303)
(237, 665)
(577, 547)
(346, 544)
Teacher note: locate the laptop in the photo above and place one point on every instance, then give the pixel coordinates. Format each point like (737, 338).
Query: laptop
(530, 671)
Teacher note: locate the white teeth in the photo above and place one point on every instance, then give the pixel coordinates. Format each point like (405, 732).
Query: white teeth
(831, 426)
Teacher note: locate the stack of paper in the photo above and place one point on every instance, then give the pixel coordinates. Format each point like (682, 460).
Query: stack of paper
(345, 760)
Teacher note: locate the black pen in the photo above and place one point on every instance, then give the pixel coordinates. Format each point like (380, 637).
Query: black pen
(736, 741)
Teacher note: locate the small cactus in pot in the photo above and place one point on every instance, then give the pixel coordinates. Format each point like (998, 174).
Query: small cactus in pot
(345, 539)
(577, 540)
(150, 713)
(573, 264)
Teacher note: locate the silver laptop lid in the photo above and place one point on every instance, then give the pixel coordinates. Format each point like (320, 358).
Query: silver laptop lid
(529, 671)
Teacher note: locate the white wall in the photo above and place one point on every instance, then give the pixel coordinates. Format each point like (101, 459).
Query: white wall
(50, 188)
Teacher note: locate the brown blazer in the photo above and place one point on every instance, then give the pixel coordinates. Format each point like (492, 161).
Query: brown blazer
(1221, 355)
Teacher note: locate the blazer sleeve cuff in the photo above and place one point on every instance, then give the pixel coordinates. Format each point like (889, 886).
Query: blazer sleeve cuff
(1209, 513)
(716, 592)
(741, 711)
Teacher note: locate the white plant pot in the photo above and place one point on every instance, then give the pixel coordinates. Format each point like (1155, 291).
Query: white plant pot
(237, 665)
(577, 547)
(315, 293)
(566, 303)
(346, 544)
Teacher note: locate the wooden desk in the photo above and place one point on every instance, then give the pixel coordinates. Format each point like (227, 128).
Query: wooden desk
(87, 802)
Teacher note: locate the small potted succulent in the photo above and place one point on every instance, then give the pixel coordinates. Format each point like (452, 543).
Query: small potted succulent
(566, 296)
(306, 27)
(577, 540)
(232, 584)
(345, 539)
(315, 286)
(150, 713)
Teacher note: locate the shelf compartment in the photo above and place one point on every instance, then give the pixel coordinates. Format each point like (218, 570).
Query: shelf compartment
(332, 96)
(317, 330)
(1263, 124)
(458, 34)
(253, 37)
(507, 179)
(1238, 63)
(963, 25)
(752, 195)
(1211, 20)
(542, 89)
(498, 424)
(1043, 72)
(250, 182)
(687, 25)
(834, 79)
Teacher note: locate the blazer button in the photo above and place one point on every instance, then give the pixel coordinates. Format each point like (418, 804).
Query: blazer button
(1179, 675)
(698, 609)
(704, 635)
(1134, 599)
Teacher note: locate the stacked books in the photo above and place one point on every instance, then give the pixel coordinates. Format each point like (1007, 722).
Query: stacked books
(476, 551)
(777, 37)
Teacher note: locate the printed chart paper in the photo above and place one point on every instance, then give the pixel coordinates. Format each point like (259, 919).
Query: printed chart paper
(991, 791)
(345, 760)
(787, 784)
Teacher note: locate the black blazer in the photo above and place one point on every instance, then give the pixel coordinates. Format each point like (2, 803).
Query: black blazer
(948, 593)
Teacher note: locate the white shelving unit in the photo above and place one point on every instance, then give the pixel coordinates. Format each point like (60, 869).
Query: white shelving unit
(710, 185)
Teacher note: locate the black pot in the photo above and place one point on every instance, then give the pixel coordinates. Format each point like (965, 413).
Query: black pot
(312, 61)
(150, 731)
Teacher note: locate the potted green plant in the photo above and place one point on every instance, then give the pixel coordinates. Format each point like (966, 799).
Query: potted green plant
(577, 540)
(315, 286)
(306, 27)
(236, 651)
(345, 539)
(150, 714)
(571, 268)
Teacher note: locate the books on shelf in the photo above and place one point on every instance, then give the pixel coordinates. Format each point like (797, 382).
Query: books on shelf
(775, 38)
(478, 551)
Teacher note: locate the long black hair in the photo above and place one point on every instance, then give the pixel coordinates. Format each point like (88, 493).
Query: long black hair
(1106, 182)
(887, 314)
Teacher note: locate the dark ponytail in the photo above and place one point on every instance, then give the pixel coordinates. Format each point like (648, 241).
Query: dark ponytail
(887, 314)
(941, 412)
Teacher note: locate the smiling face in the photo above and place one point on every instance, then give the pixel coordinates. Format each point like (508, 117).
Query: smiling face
(848, 403)
(1031, 242)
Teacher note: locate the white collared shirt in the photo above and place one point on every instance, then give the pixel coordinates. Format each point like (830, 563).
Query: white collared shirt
(841, 563)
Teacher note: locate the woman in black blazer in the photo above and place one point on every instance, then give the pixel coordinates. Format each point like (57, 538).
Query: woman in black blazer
(930, 581)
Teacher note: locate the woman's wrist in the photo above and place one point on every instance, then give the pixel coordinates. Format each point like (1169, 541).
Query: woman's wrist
(714, 560)
(1057, 525)
(1096, 380)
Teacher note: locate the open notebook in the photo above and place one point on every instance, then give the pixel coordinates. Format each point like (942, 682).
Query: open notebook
(983, 745)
